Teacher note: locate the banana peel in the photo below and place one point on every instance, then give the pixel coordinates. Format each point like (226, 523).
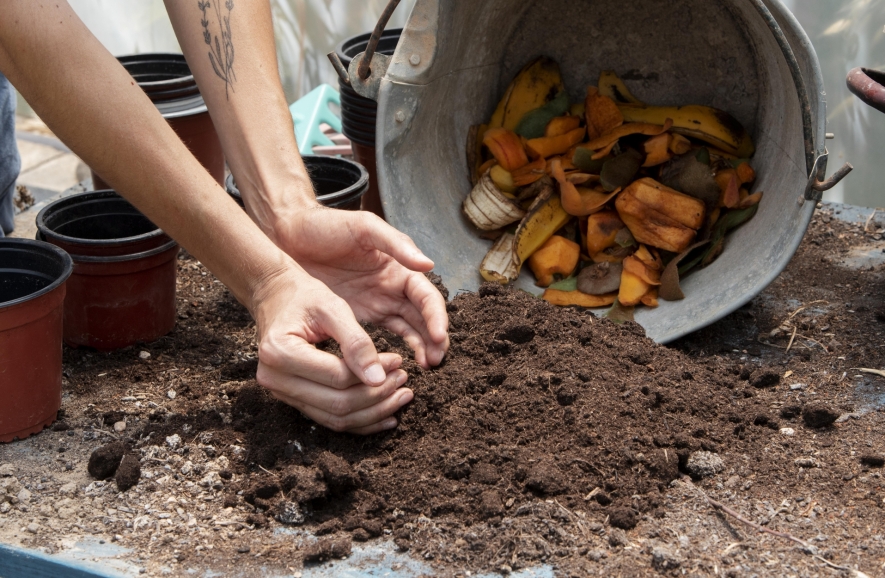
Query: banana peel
(538, 83)
(711, 125)
(488, 208)
(611, 85)
(499, 265)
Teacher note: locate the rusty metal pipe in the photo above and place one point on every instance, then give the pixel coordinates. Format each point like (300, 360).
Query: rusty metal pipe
(366, 63)
(868, 85)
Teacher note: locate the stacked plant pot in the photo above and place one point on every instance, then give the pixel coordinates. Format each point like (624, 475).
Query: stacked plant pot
(33, 276)
(358, 114)
(168, 82)
(122, 290)
(338, 183)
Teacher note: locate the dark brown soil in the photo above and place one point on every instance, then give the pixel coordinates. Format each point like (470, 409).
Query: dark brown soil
(546, 436)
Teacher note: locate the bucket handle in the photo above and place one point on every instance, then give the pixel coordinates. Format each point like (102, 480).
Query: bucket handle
(368, 68)
(815, 164)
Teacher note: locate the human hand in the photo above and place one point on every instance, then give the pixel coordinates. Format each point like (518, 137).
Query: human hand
(376, 269)
(357, 394)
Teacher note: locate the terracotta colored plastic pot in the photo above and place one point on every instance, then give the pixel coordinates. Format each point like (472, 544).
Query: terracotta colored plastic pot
(168, 82)
(339, 183)
(32, 293)
(122, 291)
(101, 223)
(117, 301)
(365, 156)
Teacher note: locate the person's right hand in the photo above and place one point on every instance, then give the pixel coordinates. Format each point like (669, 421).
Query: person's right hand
(357, 394)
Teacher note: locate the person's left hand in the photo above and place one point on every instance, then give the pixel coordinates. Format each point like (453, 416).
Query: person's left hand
(376, 269)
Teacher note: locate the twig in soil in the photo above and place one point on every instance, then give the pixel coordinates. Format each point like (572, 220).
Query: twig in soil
(866, 227)
(806, 306)
(793, 337)
(807, 547)
(878, 372)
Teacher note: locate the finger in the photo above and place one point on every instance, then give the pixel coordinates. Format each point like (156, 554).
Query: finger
(396, 244)
(412, 337)
(296, 357)
(336, 402)
(357, 348)
(431, 304)
(375, 418)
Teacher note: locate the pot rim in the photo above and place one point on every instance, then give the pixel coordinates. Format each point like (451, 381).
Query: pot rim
(66, 261)
(49, 234)
(124, 258)
(362, 181)
(362, 40)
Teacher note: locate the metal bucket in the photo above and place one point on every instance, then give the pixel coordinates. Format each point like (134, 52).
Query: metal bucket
(750, 58)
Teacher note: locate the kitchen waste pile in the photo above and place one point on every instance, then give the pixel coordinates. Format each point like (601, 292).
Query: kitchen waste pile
(609, 201)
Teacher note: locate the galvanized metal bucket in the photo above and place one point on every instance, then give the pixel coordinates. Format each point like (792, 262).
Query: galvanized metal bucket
(748, 57)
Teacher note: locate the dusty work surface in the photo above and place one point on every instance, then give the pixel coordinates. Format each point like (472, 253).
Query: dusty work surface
(547, 438)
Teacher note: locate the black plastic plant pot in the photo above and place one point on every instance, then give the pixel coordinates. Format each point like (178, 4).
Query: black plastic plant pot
(32, 293)
(100, 223)
(339, 183)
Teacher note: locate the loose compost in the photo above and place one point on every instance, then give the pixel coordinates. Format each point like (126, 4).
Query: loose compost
(547, 436)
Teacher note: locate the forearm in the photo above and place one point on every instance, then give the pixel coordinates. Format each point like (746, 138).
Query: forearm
(229, 46)
(95, 107)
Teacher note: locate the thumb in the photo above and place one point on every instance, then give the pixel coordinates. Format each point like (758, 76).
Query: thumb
(394, 243)
(359, 352)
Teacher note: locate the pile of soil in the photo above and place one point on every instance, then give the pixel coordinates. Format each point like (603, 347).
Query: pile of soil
(547, 436)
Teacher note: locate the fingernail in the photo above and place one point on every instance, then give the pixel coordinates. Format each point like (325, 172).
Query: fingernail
(376, 374)
(401, 379)
(405, 397)
(389, 423)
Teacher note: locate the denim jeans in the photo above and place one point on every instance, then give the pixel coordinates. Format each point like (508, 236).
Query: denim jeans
(10, 162)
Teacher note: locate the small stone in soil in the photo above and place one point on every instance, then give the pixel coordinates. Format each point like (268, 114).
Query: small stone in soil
(173, 441)
(818, 415)
(104, 461)
(787, 431)
(327, 548)
(120, 426)
(872, 461)
(243, 550)
(144, 355)
(704, 464)
(6, 470)
(807, 463)
(617, 537)
(289, 513)
(171, 394)
(128, 473)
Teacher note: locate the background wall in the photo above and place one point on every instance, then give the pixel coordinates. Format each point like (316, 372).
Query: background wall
(845, 33)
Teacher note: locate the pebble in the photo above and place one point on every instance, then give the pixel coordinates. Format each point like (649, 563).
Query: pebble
(6, 470)
(663, 560)
(797, 386)
(807, 463)
(703, 464)
(788, 431)
(33, 528)
(119, 426)
(171, 394)
(5, 507)
(173, 441)
(144, 355)
(24, 496)
(68, 488)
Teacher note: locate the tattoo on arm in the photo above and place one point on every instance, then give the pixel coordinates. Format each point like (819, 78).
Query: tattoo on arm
(221, 46)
